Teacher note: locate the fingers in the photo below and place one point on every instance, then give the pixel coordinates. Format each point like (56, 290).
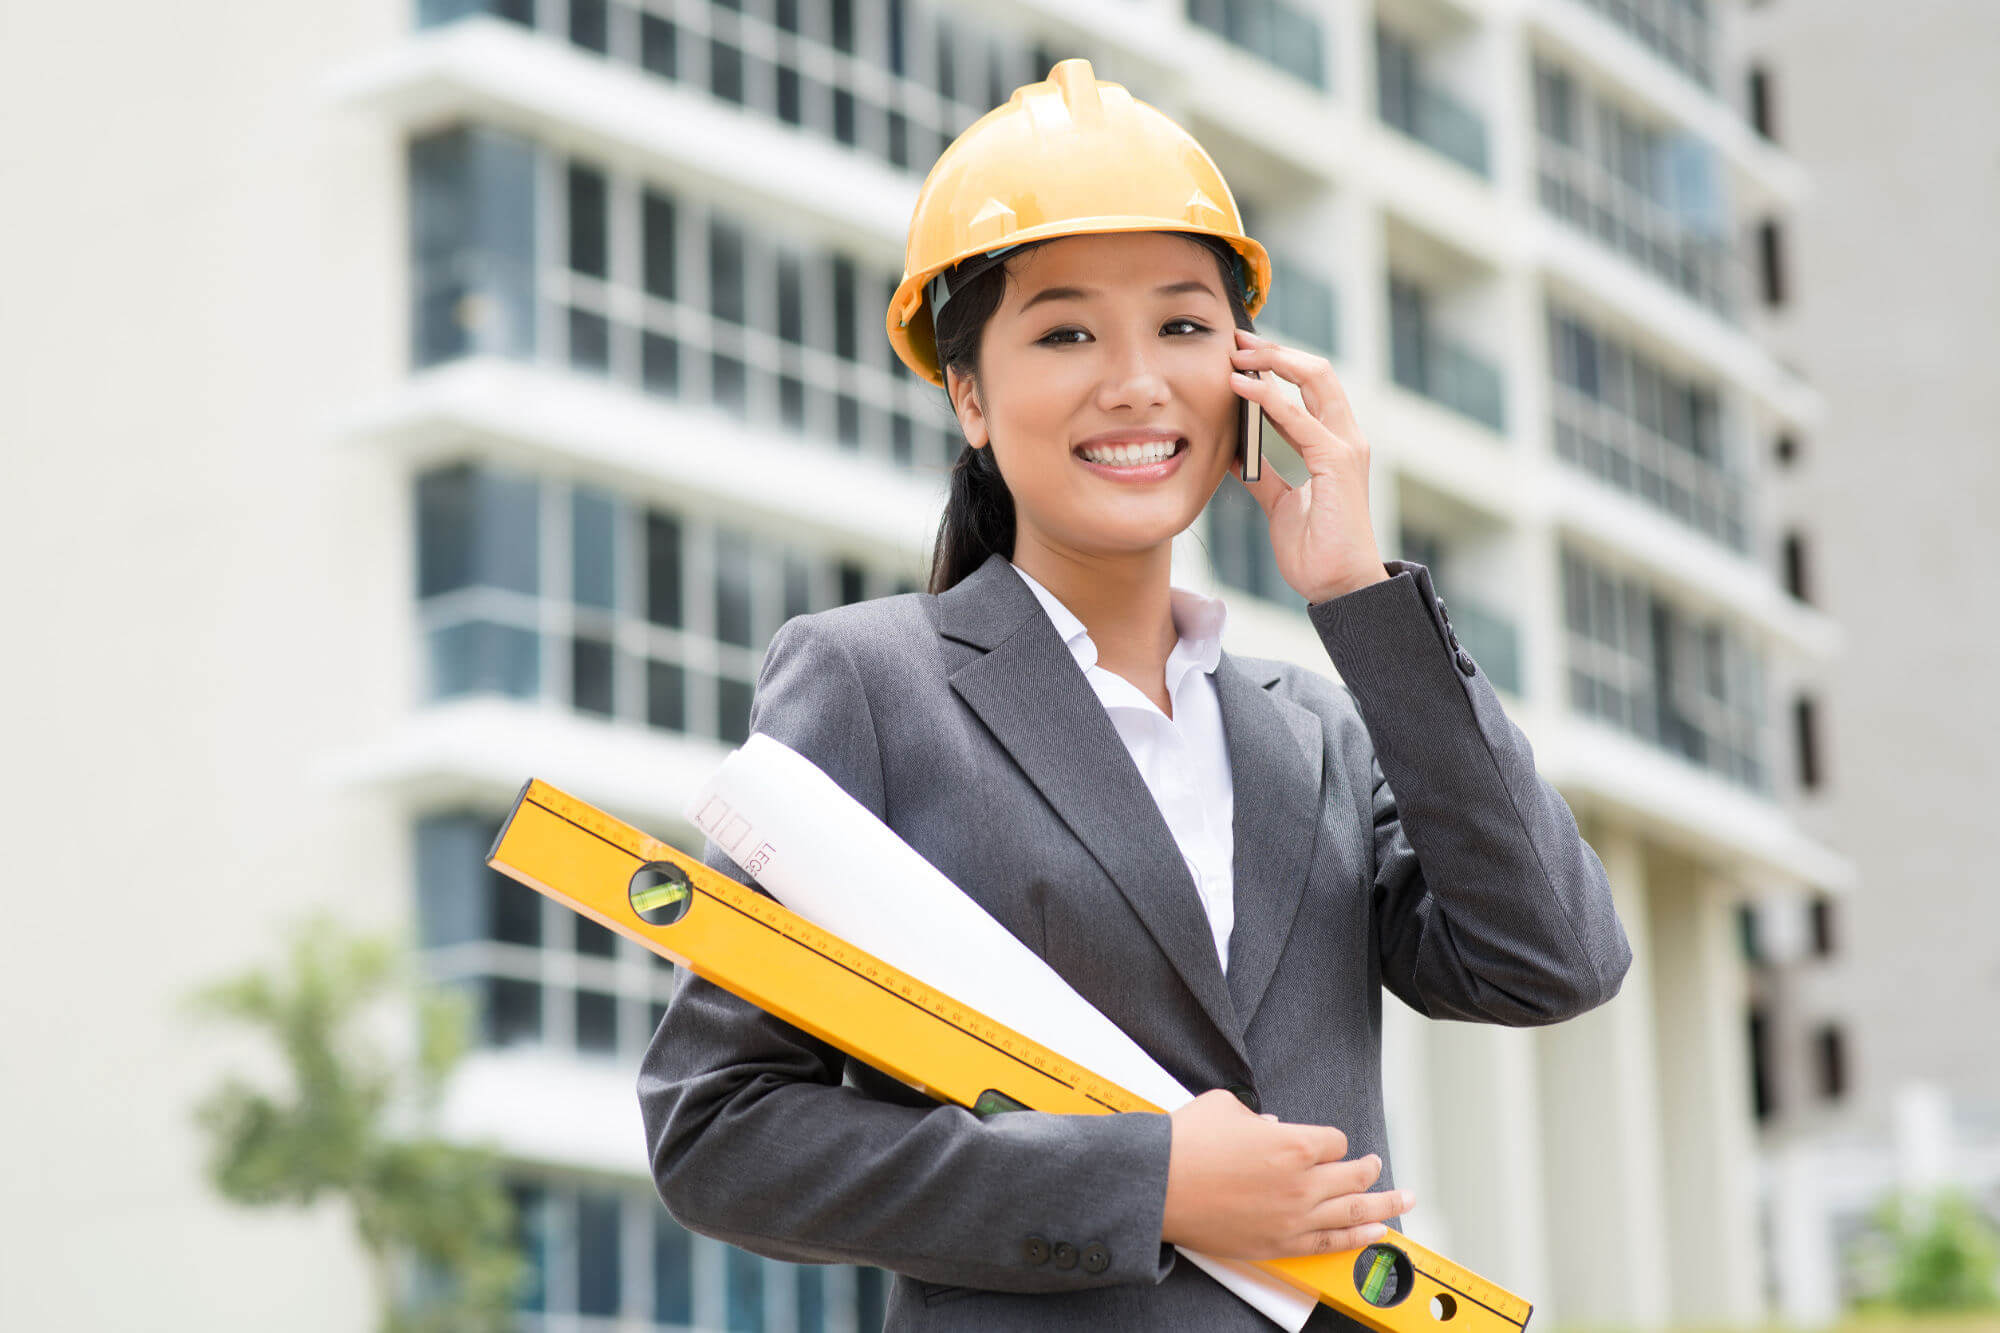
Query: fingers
(1349, 1221)
(1319, 386)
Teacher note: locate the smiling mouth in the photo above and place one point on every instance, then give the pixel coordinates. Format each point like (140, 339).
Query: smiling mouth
(1131, 455)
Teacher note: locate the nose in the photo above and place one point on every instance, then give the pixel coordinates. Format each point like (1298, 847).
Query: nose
(1132, 377)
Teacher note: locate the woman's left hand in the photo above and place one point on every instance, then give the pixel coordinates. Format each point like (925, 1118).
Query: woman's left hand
(1320, 532)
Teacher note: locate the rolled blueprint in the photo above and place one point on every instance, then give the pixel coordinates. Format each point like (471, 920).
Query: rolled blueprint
(827, 857)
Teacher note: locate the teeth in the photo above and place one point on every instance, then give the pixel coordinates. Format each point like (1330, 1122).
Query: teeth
(1128, 455)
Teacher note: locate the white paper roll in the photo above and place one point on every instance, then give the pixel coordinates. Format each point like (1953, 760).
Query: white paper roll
(827, 857)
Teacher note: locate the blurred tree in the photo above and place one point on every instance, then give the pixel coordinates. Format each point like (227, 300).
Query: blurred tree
(1933, 1251)
(433, 1216)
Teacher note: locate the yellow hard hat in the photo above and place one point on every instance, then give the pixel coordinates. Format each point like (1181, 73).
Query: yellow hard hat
(1069, 156)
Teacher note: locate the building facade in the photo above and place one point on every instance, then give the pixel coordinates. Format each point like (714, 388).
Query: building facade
(527, 367)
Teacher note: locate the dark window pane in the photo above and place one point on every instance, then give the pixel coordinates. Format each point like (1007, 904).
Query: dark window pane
(787, 15)
(843, 25)
(514, 911)
(589, 24)
(472, 244)
(660, 245)
(591, 516)
(791, 299)
(513, 1012)
(476, 528)
(792, 401)
(659, 364)
(725, 71)
(789, 109)
(587, 221)
(902, 441)
(451, 890)
(811, 1279)
(729, 383)
(593, 940)
(480, 657)
(732, 709)
(597, 1266)
(725, 260)
(745, 1289)
(673, 1271)
(732, 586)
(899, 139)
(666, 696)
(663, 570)
(531, 1236)
(871, 1297)
(843, 115)
(847, 422)
(589, 340)
(596, 1022)
(659, 43)
(852, 578)
(590, 676)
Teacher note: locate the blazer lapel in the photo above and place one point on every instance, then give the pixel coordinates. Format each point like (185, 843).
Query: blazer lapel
(1277, 758)
(1028, 691)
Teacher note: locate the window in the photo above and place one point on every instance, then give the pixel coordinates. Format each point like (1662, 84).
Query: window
(1762, 1084)
(1805, 728)
(1632, 423)
(1830, 1061)
(1281, 34)
(1822, 927)
(1795, 566)
(1691, 686)
(662, 621)
(1762, 119)
(1654, 194)
(1770, 261)
(608, 1253)
(472, 245)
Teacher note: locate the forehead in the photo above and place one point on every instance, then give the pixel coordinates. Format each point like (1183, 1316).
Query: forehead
(1115, 262)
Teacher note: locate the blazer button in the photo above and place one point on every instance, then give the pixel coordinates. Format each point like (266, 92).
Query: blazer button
(1243, 1093)
(1037, 1250)
(1465, 662)
(1065, 1254)
(1095, 1257)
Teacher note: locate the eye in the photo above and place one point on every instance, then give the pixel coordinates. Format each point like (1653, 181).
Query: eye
(1053, 338)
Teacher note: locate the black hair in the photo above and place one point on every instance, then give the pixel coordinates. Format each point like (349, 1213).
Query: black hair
(979, 513)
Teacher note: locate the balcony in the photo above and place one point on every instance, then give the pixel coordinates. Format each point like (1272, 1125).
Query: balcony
(1427, 362)
(1410, 102)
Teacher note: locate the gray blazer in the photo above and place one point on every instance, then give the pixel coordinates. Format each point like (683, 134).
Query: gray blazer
(1390, 832)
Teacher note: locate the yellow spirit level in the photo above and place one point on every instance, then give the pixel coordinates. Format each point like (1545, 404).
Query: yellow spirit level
(753, 947)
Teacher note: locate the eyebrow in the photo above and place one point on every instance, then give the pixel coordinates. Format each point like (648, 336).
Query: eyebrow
(1078, 293)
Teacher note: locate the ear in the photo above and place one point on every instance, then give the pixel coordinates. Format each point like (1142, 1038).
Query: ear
(965, 404)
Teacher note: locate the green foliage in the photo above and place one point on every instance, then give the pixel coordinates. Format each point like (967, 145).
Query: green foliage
(432, 1215)
(1933, 1252)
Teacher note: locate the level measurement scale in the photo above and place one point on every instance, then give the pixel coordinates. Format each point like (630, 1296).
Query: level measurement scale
(754, 947)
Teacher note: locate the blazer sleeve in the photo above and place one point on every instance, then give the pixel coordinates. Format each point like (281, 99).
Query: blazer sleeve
(1488, 904)
(754, 1139)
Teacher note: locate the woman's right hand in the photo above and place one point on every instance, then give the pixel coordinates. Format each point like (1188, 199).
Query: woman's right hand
(1245, 1186)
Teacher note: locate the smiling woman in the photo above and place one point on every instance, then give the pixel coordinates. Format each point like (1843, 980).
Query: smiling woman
(1060, 361)
(1206, 846)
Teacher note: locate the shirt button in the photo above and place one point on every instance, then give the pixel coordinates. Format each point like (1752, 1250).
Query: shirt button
(1464, 660)
(1065, 1254)
(1243, 1093)
(1036, 1250)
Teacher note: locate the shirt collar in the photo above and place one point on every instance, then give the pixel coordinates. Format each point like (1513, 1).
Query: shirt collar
(1198, 619)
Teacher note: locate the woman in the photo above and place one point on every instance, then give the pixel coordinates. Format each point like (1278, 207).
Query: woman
(1230, 857)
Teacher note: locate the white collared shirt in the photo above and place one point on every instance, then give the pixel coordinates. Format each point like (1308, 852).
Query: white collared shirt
(1184, 759)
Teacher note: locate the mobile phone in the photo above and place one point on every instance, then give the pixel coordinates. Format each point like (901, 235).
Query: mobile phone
(1250, 437)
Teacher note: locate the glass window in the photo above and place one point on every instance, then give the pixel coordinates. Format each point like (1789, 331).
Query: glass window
(666, 696)
(733, 553)
(596, 1022)
(673, 1271)
(597, 1252)
(744, 1278)
(725, 258)
(589, 24)
(472, 244)
(657, 225)
(476, 527)
(663, 569)
(659, 45)
(592, 515)
(588, 220)
(590, 676)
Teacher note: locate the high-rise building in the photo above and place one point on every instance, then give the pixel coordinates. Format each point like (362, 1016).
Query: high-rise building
(436, 394)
